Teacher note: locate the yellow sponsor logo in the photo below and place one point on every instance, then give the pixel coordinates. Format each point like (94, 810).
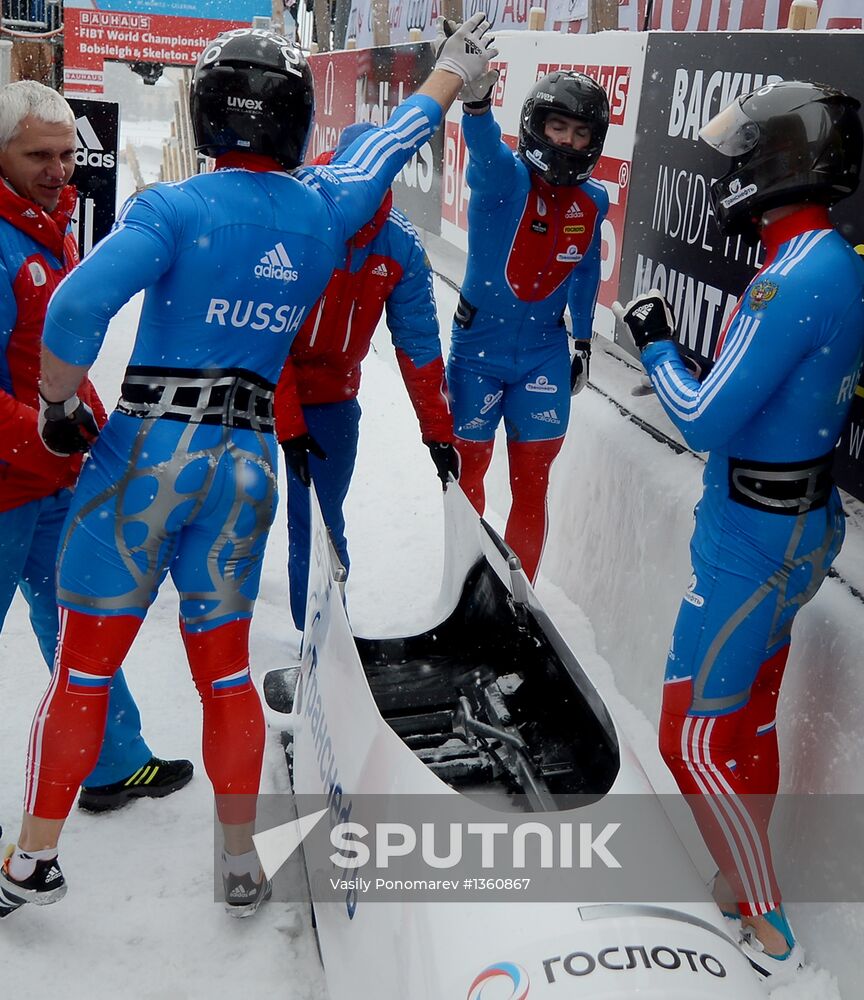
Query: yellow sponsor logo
(574, 229)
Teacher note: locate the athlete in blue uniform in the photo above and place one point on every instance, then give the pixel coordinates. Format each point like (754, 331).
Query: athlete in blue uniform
(769, 523)
(182, 479)
(533, 248)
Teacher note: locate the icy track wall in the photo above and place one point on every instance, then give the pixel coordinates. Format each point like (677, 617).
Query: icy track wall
(621, 501)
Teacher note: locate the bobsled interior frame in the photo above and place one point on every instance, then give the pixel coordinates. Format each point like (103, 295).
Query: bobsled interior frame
(484, 698)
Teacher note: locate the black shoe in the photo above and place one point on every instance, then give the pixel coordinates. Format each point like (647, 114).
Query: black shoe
(243, 895)
(46, 885)
(155, 779)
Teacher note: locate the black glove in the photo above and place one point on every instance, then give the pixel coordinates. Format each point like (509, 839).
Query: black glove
(67, 427)
(446, 460)
(579, 366)
(297, 451)
(649, 318)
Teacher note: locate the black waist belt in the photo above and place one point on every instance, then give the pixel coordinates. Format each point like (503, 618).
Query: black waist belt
(230, 396)
(781, 487)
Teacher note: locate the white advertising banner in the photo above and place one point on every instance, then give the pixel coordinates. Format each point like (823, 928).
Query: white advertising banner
(616, 60)
(567, 10)
(505, 15)
(733, 15)
(571, 16)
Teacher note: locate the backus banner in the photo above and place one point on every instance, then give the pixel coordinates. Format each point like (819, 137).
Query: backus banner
(671, 240)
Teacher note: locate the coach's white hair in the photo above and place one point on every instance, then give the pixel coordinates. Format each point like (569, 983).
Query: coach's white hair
(27, 97)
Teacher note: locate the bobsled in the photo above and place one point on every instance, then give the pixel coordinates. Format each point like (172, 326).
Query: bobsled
(489, 699)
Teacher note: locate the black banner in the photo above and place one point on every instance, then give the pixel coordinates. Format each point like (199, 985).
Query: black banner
(95, 177)
(671, 241)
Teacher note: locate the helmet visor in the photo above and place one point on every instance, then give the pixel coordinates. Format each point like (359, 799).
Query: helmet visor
(731, 132)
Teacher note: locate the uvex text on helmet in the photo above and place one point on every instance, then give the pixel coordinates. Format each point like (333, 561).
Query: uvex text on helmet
(788, 142)
(574, 95)
(252, 92)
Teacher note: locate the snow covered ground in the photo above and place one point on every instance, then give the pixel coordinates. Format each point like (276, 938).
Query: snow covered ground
(139, 920)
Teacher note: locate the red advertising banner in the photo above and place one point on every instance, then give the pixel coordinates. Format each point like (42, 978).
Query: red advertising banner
(454, 188)
(336, 75)
(366, 85)
(92, 37)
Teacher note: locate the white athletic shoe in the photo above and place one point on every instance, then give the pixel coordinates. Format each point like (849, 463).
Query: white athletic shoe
(772, 971)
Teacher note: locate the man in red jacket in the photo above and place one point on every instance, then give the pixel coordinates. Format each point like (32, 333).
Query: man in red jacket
(37, 158)
(317, 413)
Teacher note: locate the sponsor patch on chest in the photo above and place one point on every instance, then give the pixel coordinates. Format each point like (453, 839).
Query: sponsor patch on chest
(570, 256)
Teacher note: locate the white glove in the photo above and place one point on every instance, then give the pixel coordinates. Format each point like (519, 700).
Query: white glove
(468, 50)
(478, 91)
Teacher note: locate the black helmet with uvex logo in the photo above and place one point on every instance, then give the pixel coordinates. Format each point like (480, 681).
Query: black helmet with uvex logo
(252, 92)
(788, 142)
(573, 95)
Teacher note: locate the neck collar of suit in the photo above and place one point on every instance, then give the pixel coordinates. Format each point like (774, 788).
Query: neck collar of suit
(256, 162)
(802, 220)
(47, 228)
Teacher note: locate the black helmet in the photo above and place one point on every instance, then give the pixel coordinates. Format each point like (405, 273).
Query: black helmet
(576, 96)
(788, 142)
(252, 91)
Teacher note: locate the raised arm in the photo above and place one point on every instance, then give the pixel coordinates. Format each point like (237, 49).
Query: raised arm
(355, 186)
(491, 164)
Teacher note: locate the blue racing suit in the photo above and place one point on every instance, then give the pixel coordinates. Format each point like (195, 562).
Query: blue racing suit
(232, 261)
(182, 479)
(532, 250)
(768, 526)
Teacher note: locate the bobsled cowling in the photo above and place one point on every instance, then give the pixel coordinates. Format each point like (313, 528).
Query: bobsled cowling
(392, 704)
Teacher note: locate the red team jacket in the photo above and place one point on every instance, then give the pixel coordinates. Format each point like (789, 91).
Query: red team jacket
(385, 265)
(36, 252)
